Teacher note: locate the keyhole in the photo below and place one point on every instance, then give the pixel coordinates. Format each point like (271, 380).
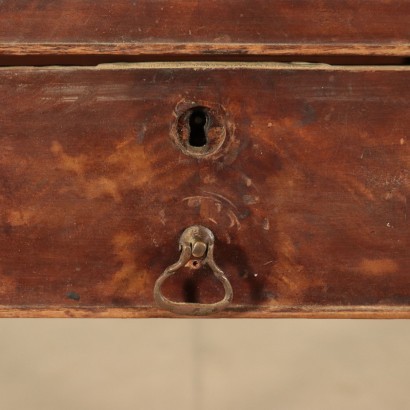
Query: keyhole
(197, 123)
(199, 130)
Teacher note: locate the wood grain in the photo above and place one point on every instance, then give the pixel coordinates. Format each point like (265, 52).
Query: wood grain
(190, 27)
(307, 197)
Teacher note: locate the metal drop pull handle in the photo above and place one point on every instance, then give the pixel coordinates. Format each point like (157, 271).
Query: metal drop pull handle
(195, 242)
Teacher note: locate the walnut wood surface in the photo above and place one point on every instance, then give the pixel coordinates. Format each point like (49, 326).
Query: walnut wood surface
(308, 198)
(191, 27)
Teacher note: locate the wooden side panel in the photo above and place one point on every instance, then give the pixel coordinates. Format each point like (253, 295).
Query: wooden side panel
(308, 198)
(173, 27)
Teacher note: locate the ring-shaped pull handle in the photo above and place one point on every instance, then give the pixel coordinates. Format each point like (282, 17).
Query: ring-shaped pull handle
(198, 242)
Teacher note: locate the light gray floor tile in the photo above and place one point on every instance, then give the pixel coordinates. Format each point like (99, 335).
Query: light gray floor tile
(95, 364)
(305, 364)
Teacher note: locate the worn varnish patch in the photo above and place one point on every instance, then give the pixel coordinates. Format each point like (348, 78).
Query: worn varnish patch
(378, 266)
(308, 205)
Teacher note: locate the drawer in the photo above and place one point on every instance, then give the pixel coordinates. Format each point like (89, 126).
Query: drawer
(241, 28)
(301, 171)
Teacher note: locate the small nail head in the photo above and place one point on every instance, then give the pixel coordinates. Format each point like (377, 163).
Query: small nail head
(198, 249)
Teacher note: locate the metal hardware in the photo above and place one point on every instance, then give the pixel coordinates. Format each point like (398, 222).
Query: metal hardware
(197, 242)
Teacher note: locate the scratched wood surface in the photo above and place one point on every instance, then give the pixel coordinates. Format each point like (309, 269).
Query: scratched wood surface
(191, 27)
(307, 197)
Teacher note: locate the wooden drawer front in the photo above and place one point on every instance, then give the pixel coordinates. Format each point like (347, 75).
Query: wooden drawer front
(307, 196)
(190, 27)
